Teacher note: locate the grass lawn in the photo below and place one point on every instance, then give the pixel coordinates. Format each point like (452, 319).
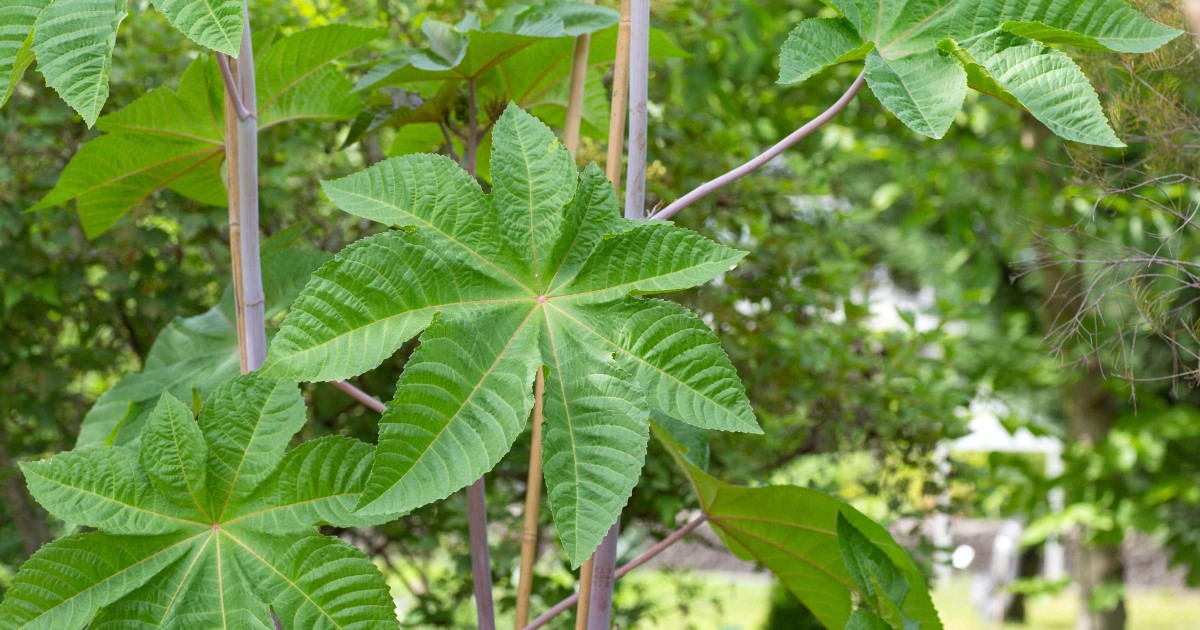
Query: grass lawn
(717, 601)
(1148, 609)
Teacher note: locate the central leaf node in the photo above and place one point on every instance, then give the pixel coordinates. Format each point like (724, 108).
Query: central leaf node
(542, 299)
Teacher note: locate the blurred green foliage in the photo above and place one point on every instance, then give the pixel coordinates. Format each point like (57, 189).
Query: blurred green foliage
(894, 279)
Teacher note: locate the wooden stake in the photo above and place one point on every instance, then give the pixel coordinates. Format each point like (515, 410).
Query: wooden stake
(533, 496)
(579, 67)
(235, 220)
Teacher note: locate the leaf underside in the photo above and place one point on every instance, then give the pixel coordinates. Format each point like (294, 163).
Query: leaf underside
(540, 272)
(920, 61)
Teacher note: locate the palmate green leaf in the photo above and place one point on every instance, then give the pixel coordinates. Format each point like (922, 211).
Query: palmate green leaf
(176, 138)
(192, 354)
(497, 270)
(793, 531)
(917, 54)
(184, 541)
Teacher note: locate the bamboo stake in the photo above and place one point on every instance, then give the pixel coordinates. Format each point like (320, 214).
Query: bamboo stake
(579, 66)
(235, 223)
(612, 168)
(533, 496)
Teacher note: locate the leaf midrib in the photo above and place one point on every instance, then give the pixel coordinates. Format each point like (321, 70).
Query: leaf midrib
(425, 223)
(113, 576)
(285, 578)
(641, 360)
(562, 384)
(466, 400)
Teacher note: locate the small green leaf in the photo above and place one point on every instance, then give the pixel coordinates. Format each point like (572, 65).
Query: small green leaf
(192, 354)
(675, 357)
(924, 90)
(215, 24)
(816, 44)
(650, 258)
(16, 42)
(247, 423)
(594, 438)
(73, 41)
(793, 531)
(173, 452)
(534, 178)
(104, 488)
(878, 578)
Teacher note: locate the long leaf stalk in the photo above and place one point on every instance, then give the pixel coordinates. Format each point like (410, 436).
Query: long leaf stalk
(761, 159)
(533, 495)
(641, 559)
(481, 559)
(612, 168)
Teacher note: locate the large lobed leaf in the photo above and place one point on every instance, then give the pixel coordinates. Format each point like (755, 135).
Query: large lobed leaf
(828, 554)
(921, 59)
(208, 523)
(176, 138)
(501, 283)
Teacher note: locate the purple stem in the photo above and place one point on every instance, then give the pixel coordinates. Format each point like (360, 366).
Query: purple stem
(603, 578)
(366, 399)
(760, 160)
(481, 559)
(481, 562)
(604, 561)
(643, 558)
(639, 86)
(253, 314)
